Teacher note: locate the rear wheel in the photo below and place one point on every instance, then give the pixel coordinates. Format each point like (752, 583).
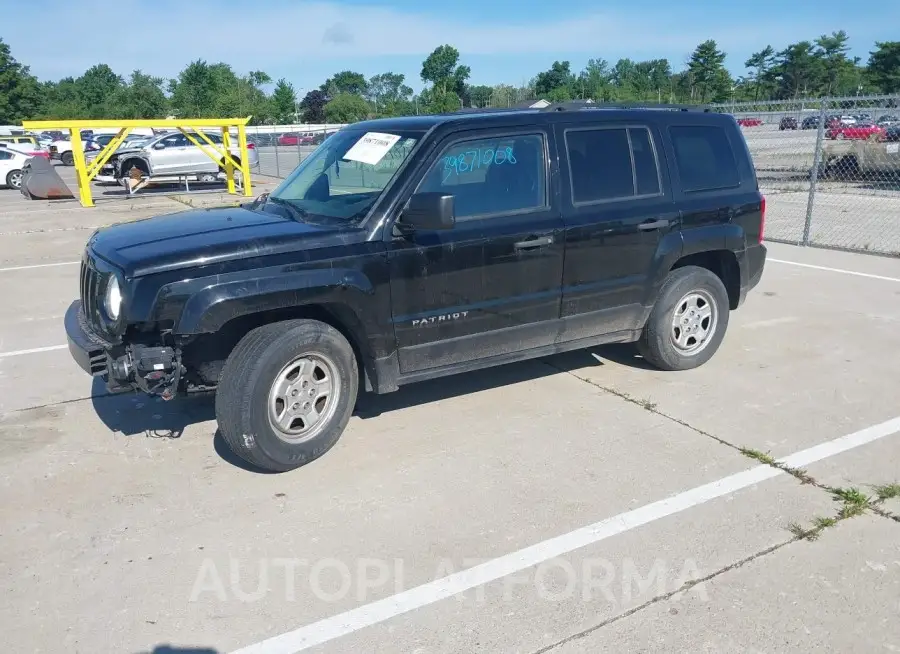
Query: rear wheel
(688, 321)
(14, 179)
(286, 393)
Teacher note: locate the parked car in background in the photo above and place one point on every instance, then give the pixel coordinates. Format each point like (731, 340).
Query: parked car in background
(20, 139)
(892, 133)
(887, 121)
(857, 131)
(62, 150)
(749, 122)
(810, 122)
(27, 149)
(295, 138)
(11, 162)
(788, 122)
(171, 154)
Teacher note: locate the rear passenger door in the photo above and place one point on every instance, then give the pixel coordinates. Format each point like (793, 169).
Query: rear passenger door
(713, 187)
(620, 223)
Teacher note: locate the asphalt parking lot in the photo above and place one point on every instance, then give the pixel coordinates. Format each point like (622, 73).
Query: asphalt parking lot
(579, 503)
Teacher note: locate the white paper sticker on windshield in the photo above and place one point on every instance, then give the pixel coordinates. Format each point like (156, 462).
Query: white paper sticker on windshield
(371, 148)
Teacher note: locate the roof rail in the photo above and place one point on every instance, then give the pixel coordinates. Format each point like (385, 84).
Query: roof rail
(572, 106)
(485, 110)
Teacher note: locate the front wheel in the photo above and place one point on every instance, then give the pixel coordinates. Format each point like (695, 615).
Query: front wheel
(67, 159)
(688, 321)
(286, 393)
(14, 179)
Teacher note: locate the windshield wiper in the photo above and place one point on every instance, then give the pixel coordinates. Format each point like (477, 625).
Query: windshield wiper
(298, 214)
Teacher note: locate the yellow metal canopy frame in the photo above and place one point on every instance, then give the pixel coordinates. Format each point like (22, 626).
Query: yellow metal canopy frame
(85, 173)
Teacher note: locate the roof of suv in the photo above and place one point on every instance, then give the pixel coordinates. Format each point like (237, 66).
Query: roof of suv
(486, 117)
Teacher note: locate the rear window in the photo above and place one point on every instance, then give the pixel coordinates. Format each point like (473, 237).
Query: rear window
(611, 164)
(704, 158)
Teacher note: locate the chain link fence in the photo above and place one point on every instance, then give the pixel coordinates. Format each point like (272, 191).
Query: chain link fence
(830, 169)
(282, 147)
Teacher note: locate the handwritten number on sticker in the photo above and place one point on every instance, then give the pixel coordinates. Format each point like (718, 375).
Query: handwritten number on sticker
(470, 160)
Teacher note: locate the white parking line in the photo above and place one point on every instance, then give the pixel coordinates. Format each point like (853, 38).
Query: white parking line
(40, 265)
(367, 615)
(36, 350)
(836, 270)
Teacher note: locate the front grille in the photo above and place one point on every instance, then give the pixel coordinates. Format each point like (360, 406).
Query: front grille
(92, 287)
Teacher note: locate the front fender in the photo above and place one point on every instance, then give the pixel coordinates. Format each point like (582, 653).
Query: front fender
(210, 308)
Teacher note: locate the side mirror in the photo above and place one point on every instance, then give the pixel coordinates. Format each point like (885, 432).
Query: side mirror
(159, 146)
(428, 211)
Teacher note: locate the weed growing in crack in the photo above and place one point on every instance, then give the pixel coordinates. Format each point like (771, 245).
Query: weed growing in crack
(887, 491)
(821, 523)
(853, 502)
(762, 457)
(800, 533)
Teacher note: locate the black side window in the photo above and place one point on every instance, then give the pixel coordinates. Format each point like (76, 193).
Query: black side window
(611, 164)
(704, 158)
(5, 155)
(495, 175)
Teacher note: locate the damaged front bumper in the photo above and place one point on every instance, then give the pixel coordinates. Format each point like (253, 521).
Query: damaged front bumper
(153, 370)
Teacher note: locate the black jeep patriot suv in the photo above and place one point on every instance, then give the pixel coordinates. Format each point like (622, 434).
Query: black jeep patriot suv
(406, 249)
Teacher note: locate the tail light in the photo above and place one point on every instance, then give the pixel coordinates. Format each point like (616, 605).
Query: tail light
(762, 217)
(251, 146)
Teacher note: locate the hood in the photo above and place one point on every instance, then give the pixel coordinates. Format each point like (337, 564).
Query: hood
(204, 236)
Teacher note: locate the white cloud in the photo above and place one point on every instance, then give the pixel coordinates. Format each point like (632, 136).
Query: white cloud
(163, 40)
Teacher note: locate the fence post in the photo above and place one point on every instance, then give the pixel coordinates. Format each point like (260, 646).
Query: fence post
(814, 173)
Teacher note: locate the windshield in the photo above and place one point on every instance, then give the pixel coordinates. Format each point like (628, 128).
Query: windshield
(344, 176)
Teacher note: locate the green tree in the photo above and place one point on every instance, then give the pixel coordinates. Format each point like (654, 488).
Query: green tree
(20, 93)
(798, 72)
(595, 81)
(141, 97)
(196, 91)
(557, 81)
(442, 69)
(480, 96)
(97, 89)
(284, 102)
(390, 95)
(884, 66)
(346, 108)
(313, 107)
(708, 73)
(345, 82)
(760, 63)
(839, 71)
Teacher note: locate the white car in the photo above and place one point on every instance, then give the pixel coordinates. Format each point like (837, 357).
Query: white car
(62, 150)
(11, 162)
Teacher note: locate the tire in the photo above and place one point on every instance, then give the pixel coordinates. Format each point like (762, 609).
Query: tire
(685, 285)
(245, 393)
(14, 179)
(67, 159)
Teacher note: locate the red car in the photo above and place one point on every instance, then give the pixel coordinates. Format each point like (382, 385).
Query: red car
(749, 122)
(293, 138)
(857, 132)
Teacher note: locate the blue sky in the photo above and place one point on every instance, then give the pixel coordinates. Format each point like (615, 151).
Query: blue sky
(505, 41)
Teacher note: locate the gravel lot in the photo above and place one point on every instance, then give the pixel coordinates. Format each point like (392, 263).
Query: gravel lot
(580, 503)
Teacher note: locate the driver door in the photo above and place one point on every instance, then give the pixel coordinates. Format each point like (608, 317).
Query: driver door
(170, 155)
(492, 283)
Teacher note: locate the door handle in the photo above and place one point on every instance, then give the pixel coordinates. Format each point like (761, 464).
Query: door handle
(653, 224)
(533, 243)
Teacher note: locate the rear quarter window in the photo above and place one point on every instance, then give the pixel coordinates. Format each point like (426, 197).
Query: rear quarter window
(704, 158)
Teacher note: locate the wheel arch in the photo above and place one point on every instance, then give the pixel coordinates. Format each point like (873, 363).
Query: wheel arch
(722, 263)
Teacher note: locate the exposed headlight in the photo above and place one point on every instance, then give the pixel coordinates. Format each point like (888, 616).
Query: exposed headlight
(113, 300)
